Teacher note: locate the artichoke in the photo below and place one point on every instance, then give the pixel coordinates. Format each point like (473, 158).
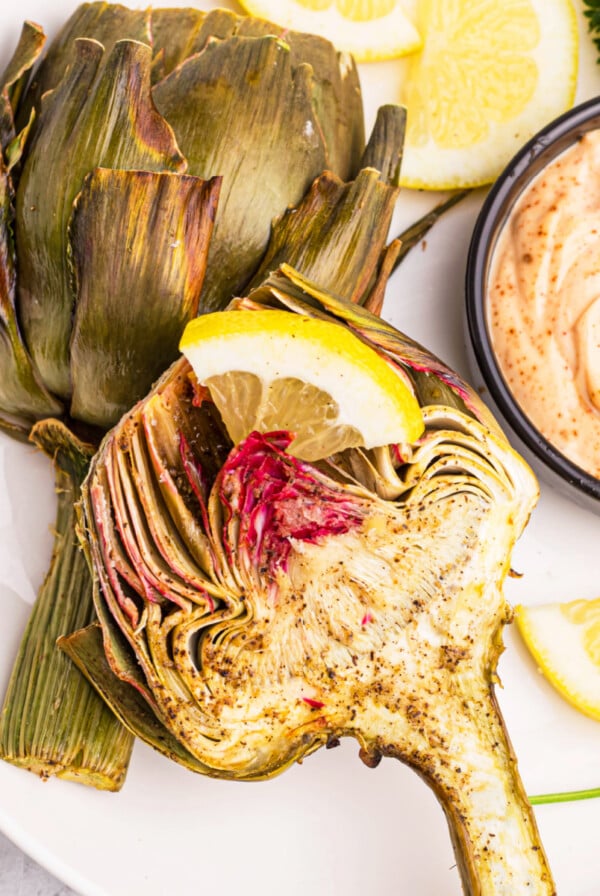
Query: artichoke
(177, 138)
(253, 606)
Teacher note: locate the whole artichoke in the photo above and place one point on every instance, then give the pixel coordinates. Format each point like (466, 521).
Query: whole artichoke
(254, 606)
(148, 117)
(141, 169)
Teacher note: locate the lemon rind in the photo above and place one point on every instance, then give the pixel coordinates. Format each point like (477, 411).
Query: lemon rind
(554, 643)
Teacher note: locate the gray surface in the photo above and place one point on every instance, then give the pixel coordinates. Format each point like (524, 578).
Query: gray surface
(20, 876)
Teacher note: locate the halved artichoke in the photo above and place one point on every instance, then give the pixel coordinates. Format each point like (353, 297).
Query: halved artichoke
(254, 607)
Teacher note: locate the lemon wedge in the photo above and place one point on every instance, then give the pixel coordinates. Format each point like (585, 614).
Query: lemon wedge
(272, 370)
(369, 29)
(490, 74)
(564, 639)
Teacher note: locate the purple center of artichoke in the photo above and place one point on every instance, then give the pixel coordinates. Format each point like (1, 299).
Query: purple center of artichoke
(278, 500)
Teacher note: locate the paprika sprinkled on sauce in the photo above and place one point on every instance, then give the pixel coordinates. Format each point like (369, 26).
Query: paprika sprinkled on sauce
(544, 302)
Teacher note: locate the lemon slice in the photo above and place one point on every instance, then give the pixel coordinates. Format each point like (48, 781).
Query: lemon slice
(490, 74)
(564, 639)
(272, 370)
(369, 29)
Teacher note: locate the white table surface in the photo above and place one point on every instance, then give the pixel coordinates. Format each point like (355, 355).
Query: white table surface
(21, 876)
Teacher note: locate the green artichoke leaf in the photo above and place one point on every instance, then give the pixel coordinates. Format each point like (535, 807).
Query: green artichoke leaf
(105, 22)
(16, 148)
(337, 95)
(138, 243)
(176, 35)
(14, 78)
(52, 721)
(338, 101)
(253, 123)
(23, 397)
(384, 149)
(336, 236)
(85, 648)
(100, 115)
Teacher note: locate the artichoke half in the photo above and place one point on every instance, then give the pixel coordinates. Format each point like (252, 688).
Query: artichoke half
(254, 607)
(189, 150)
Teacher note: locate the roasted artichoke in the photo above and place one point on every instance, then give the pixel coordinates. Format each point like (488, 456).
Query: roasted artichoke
(253, 606)
(176, 137)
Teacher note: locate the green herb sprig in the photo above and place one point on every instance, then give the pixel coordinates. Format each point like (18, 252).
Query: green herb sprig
(592, 13)
(566, 797)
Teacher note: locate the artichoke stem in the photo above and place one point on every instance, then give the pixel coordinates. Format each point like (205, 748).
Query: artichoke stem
(53, 722)
(492, 826)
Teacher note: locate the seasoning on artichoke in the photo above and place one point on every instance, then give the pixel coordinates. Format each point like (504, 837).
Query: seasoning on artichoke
(254, 606)
(154, 210)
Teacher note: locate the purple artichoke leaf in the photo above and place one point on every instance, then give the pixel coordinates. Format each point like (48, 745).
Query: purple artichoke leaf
(433, 381)
(169, 443)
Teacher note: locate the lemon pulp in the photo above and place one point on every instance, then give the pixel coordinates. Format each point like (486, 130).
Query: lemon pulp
(271, 370)
(489, 75)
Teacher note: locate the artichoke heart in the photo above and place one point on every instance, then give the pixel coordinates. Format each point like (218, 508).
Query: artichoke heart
(254, 606)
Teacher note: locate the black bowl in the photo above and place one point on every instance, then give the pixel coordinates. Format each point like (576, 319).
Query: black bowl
(529, 162)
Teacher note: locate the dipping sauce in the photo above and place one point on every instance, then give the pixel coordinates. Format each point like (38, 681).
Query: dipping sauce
(544, 302)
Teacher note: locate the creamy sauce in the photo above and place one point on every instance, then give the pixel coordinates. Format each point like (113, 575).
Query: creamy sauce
(544, 302)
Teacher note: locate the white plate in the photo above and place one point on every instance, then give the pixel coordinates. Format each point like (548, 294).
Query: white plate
(330, 826)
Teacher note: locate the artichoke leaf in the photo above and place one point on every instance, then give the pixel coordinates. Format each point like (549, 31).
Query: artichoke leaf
(336, 236)
(14, 78)
(100, 115)
(138, 244)
(246, 86)
(338, 100)
(373, 302)
(384, 149)
(176, 35)
(169, 441)
(16, 149)
(337, 95)
(23, 397)
(103, 22)
(85, 648)
(52, 721)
